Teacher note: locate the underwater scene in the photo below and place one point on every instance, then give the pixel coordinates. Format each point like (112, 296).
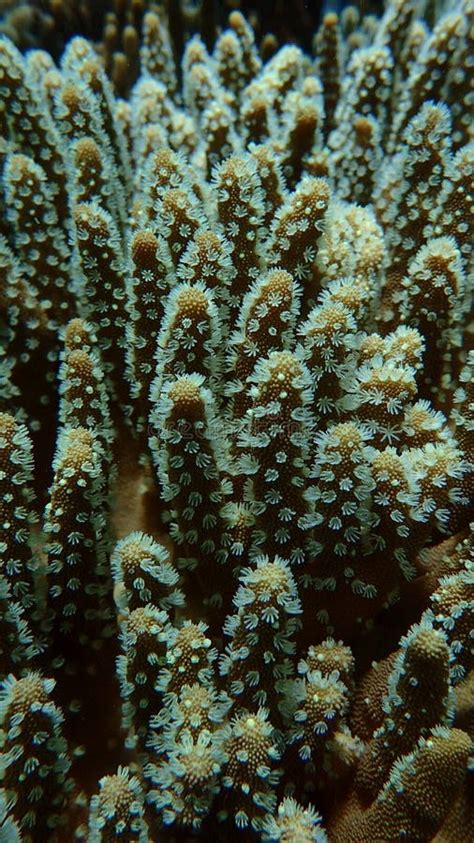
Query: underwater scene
(236, 421)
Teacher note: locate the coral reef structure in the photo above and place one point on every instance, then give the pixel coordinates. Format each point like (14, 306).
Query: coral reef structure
(114, 26)
(236, 437)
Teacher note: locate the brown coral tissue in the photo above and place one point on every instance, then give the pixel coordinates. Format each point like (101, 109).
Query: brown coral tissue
(236, 434)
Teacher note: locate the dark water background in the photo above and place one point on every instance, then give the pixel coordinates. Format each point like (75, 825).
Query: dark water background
(291, 21)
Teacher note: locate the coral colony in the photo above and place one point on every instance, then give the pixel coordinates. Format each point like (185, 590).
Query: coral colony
(236, 437)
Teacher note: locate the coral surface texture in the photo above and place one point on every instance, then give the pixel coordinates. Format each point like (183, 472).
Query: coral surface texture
(236, 431)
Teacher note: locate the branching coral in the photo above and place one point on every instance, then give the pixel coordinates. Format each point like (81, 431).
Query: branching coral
(118, 28)
(236, 436)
